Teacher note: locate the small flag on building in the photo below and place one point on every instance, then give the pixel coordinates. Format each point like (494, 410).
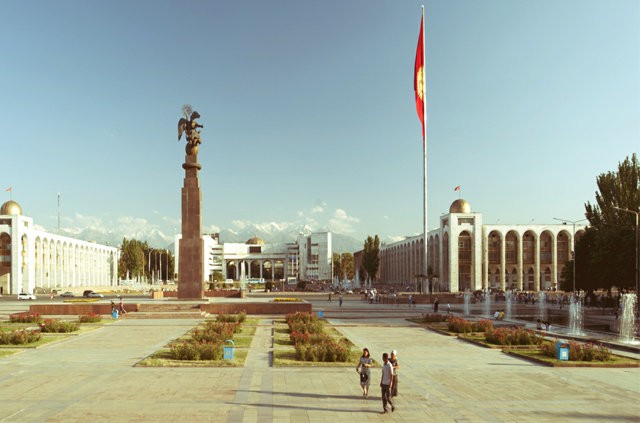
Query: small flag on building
(457, 188)
(8, 189)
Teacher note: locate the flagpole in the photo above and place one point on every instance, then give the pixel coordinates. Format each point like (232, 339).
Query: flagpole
(424, 156)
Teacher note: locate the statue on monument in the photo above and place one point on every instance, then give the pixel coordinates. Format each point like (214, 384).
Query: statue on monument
(189, 126)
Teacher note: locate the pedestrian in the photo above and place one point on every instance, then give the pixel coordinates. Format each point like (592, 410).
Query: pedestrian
(122, 310)
(394, 362)
(435, 305)
(340, 299)
(410, 300)
(448, 308)
(364, 369)
(386, 382)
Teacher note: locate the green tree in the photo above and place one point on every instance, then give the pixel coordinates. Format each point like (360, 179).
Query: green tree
(132, 258)
(348, 265)
(605, 254)
(371, 256)
(337, 266)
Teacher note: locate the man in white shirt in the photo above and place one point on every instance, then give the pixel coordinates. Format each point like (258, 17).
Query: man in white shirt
(386, 383)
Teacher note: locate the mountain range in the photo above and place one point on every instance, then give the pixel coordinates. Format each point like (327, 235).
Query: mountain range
(270, 233)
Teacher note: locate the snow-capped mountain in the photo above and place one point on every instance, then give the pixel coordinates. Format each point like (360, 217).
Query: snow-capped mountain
(272, 233)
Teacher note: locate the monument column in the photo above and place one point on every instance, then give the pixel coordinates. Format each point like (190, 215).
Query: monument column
(191, 251)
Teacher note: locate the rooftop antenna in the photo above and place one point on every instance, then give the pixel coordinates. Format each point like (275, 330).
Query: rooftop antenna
(58, 212)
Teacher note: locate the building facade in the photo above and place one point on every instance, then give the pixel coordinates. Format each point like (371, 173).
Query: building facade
(32, 259)
(463, 253)
(308, 258)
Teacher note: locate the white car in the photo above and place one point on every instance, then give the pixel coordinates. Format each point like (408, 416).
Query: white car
(25, 296)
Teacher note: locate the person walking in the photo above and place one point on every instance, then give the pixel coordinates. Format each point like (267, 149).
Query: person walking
(122, 310)
(340, 299)
(364, 369)
(386, 382)
(394, 362)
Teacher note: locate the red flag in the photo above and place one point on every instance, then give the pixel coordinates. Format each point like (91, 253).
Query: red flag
(8, 189)
(418, 77)
(457, 188)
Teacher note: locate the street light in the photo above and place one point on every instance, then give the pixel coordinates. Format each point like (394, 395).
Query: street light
(637, 243)
(573, 248)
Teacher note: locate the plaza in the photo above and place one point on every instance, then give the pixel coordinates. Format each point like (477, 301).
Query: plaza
(92, 377)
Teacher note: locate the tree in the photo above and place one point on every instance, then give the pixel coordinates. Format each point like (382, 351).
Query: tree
(348, 265)
(605, 255)
(343, 266)
(371, 256)
(337, 266)
(132, 258)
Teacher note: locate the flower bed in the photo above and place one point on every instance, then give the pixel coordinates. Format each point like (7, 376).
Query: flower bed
(511, 336)
(579, 352)
(306, 332)
(434, 318)
(25, 318)
(90, 318)
(287, 300)
(206, 342)
(459, 325)
(58, 326)
(19, 337)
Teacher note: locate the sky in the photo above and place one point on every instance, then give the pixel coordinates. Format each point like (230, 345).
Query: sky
(308, 110)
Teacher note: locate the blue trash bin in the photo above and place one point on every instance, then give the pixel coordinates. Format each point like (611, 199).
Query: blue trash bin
(227, 350)
(562, 351)
(320, 314)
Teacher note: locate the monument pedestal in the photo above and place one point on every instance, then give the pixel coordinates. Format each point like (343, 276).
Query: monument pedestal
(191, 252)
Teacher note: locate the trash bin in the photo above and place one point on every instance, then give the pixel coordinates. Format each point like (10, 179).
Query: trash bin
(320, 314)
(562, 350)
(227, 351)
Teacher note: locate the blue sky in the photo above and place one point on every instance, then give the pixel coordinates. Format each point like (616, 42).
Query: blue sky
(309, 113)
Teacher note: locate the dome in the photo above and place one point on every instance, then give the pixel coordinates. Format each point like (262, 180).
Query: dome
(255, 241)
(11, 208)
(460, 206)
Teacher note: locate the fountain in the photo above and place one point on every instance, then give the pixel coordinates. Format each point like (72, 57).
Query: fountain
(467, 300)
(487, 304)
(542, 306)
(508, 304)
(576, 314)
(628, 319)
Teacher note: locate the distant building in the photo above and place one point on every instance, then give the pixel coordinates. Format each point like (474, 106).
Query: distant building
(308, 258)
(32, 259)
(464, 253)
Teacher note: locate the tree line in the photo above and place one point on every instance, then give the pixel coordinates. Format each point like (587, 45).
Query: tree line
(139, 261)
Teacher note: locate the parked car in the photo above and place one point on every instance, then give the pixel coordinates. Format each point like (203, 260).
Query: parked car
(25, 296)
(67, 294)
(95, 295)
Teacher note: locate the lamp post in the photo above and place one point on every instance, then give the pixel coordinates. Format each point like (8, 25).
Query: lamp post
(637, 243)
(573, 248)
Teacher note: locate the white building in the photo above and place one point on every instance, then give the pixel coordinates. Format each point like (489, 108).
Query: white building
(465, 253)
(31, 258)
(308, 258)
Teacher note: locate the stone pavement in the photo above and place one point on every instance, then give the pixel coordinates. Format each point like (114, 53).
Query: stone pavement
(91, 378)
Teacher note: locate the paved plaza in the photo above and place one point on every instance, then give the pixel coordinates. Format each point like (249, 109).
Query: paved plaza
(91, 378)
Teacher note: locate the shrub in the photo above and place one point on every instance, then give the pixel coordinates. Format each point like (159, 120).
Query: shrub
(90, 318)
(185, 351)
(19, 337)
(435, 317)
(459, 325)
(482, 325)
(232, 318)
(328, 351)
(577, 351)
(300, 317)
(58, 326)
(511, 336)
(287, 300)
(25, 318)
